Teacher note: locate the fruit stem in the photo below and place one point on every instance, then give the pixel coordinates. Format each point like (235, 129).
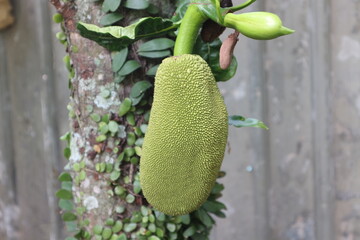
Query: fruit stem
(188, 31)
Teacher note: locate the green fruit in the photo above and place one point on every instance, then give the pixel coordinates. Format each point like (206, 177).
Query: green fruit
(185, 141)
(257, 25)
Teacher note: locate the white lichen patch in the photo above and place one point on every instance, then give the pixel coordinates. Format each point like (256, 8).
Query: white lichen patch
(109, 159)
(106, 103)
(96, 190)
(90, 203)
(85, 183)
(76, 143)
(86, 85)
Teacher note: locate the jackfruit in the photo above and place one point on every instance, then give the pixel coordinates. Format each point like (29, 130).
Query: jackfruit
(186, 137)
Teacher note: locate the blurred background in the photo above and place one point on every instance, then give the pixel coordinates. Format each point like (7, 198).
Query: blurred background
(300, 180)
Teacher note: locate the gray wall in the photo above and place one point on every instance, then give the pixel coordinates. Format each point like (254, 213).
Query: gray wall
(297, 181)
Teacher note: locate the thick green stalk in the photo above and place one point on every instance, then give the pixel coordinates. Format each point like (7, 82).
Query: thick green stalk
(188, 31)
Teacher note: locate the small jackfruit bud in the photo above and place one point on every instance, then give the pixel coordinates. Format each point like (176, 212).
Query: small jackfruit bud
(257, 25)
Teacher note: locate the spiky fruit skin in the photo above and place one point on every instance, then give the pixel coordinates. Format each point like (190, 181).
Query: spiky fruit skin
(186, 138)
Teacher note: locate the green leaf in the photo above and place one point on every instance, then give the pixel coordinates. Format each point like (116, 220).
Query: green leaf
(64, 194)
(156, 45)
(210, 53)
(67, 152)
(171, 227)
(129, 227)
(139, 88)
(115, 175)
(185, 219)
(204, 217)
(240, 121)
(152, 70)
(68, 217)
(189, 231)
(110, 19)
(112, 5)
(116, 38)
(129, 67)
(130, 198)
(218, 187)
(118, 59)
(113, 126)
(66, 186)
(66, 205)
(155, 54)
(213, 206)
(137, 4)
(65, 177)
(124, 107)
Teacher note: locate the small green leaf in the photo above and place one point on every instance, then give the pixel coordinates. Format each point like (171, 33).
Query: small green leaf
(152, 70)
(120, 209)
(97, 229)
(66, 205)
(106, 233)
(67, 152)
(213, 206)
(117, 227)
(189, 231)
(129, 227)
(152, 227)
(95, 117)
(124, 107)
(129, 67)
(110, 18)
(65, 177)
(137, 187)
(171, 227)
(57, 18)
(137, 4)
(68, 217)
(156, 45)
(239, 121)
(160, 232)
(130, 198)
(185, 219)
(131, 139)
(155, 54)
(100, 138)
(115, 175)
(204, 217)
(119, 190)
(82, 175)
(118, 59)
(217, 188)
(64, 194)
(112, 5)
(76, 167)
(113, 126)
(130, 118)
(160, 216)
(139, 88)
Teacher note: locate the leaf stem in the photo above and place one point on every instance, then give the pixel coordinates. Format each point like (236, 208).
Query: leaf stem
(188, 31)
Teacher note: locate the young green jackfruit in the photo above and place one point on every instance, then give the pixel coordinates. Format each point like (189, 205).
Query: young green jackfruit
(185, 141)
